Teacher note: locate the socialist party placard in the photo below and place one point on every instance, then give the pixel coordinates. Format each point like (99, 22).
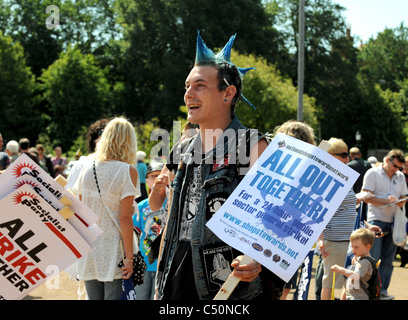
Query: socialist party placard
(25, 171)
(33, 236)
(277, 212)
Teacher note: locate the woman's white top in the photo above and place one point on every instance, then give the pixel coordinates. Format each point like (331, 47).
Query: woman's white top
(115, 184)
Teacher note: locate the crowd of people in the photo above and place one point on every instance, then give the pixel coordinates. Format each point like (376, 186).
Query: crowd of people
(169, 202)
(53, 164)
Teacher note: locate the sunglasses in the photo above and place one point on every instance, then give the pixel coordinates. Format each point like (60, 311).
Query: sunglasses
(395, 166)
(343, 155)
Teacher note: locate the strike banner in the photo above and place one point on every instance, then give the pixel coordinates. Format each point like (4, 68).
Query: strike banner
(33, 236)
(277, 212)
(25, 171)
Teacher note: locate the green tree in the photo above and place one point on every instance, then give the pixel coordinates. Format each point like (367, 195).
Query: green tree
(384, 125)
(323, 24)
(397, 103)
(18, 115)
(4, 16)
(402, 100)
(27, 25)
(76, 93)
(383, 69)
(384, 60)
(89, 24)
(46, 27)
(337, 92)
(331, 67)
(274, 96)
(161, 38)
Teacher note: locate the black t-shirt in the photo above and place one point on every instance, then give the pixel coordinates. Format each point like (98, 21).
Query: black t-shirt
(180, 284)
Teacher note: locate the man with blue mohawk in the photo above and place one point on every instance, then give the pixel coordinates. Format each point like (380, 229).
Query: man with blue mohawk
(206, 168)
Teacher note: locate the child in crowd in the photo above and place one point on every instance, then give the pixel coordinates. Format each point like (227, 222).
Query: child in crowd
(151, 223)
(361, 242)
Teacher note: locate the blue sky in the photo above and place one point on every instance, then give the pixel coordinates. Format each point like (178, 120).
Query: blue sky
(368, 17)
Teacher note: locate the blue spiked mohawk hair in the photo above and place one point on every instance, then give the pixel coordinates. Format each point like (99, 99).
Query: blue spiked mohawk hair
(204, 55)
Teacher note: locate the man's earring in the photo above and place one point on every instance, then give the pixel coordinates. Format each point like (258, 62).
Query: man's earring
(225, 100)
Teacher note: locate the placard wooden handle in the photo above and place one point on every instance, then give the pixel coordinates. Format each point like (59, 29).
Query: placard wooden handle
(65, 212)
(61, 180)
(232, 281)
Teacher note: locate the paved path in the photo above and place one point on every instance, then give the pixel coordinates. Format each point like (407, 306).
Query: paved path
(64, 288)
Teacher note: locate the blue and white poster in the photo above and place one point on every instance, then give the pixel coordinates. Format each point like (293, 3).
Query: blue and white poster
(282, 205)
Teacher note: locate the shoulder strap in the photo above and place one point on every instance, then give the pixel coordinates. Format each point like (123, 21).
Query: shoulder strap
(96, 179)
(372, 260)
(136, 235)
(99, 190)
(371, 282)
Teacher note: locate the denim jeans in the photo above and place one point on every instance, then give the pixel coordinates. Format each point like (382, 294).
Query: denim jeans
(145, 291)
(109, 290)
(384, 249)
(319, 277)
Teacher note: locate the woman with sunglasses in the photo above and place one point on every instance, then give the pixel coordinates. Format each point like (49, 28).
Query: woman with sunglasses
(334, 241)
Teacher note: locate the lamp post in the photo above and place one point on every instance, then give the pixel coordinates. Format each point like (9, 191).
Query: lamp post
(301, 58)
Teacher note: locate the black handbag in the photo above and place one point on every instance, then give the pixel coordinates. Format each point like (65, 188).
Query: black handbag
(139, 265)
(139, 268)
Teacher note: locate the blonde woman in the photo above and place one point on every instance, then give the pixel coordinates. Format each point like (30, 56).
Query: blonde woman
(109, 187)
(334, 241)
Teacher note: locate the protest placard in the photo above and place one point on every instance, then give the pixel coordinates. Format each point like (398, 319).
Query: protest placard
(282, 205)
(33, 236)
(42, 225)
(25, 171)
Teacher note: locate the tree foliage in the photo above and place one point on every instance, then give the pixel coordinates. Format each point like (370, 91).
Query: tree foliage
(384, 60)
(18, 115)
(26, 24)
(384, 129)
(77, 93)
(274, 96)
(162, 37)
(324, 23)
(330, 62)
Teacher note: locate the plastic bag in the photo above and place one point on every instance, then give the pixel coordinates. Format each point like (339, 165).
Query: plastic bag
(399, 233)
